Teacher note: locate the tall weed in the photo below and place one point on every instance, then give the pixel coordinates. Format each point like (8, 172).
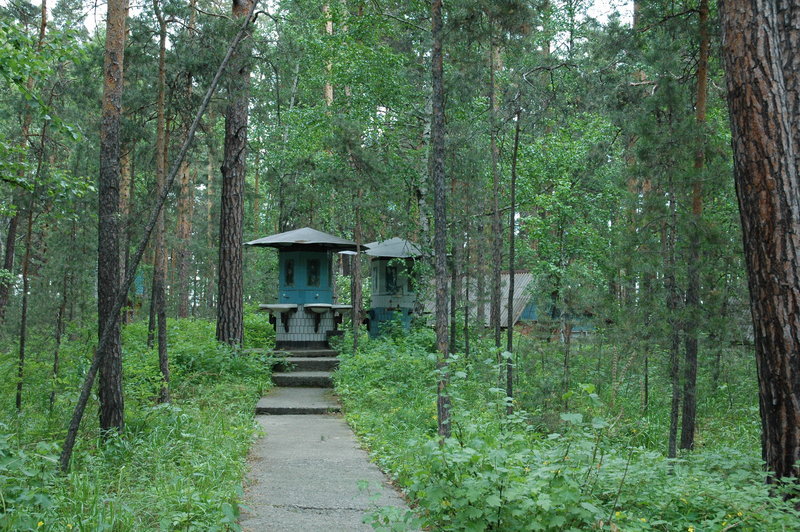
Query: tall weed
(586, 469)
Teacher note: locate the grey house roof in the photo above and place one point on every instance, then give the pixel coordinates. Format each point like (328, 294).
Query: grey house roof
(303, 237)
(394, 248)
(522, 296)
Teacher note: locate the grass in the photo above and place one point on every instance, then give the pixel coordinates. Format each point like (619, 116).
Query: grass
(177, 466)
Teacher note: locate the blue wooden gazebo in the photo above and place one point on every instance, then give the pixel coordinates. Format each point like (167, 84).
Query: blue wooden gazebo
(392, 281)
(305, 315)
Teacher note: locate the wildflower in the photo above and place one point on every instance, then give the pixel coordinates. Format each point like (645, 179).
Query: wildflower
(40, 524)
(739, 513)
(527, 469)
(642, 519)
(617, 514)
(69, 526)
(690, 529)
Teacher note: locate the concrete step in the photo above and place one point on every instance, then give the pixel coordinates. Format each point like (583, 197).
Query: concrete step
(308, 364)
(307, 353)
(298, 400)
(314, 379)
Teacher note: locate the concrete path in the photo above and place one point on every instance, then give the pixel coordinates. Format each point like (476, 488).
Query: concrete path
(307, 473)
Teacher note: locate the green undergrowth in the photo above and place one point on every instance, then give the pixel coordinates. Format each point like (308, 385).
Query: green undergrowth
(587, 470)
(177, 466)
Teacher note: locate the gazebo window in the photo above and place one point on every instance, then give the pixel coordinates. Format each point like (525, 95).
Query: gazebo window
(289, 272)
(313, 272)
(391, 280)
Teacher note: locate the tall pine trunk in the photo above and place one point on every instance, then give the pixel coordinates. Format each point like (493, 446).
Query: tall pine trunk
(23, 325)
(159, 245)
(693, 266)
(761, 60)
(186, 201)
(436, 166)
(497, 229)
(231, 234)
(108, 263)
(211, 267)
(511, 271)
(670, 284)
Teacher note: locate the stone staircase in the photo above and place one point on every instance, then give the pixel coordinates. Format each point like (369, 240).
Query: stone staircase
(302, 384)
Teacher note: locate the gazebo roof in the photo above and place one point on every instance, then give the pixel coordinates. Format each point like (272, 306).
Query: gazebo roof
(304, 237)
(394, 248)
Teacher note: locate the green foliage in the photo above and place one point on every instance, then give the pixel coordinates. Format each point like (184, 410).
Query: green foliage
(585, 471)
(258, 332)
(178, 466)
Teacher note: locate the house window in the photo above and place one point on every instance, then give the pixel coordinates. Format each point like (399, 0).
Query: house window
(313, 272)
(289, 272)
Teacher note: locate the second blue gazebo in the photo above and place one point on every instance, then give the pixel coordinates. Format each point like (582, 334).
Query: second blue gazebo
(392, 281)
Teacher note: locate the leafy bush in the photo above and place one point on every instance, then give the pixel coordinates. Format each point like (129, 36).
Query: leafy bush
(502, 472)
(258, 332)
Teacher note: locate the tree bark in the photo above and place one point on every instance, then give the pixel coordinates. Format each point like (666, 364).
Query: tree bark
(125, 198)
(23, 325)
(211, 269)
(437, 170)
(59, 333)
(356, 273)
(511, 270)
(108, 264)
(328, 89)
(159, 245)
(8, 262)
(185, 212)
(186, 201)
(670, 284)
(497, 229)
(693, 266)
(229, 299)
(759, 44)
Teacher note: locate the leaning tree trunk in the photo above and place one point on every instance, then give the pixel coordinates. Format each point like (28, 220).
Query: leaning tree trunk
(440, 219)
(108, 263)
(760, 54)
(229, 298)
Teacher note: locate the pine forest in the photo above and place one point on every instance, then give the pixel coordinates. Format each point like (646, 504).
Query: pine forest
(550, 250)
